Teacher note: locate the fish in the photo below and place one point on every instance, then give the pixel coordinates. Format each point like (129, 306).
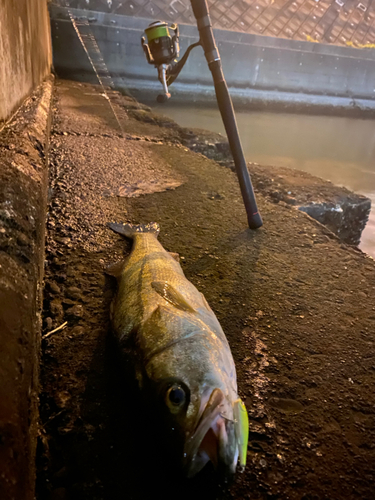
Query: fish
(182, 354)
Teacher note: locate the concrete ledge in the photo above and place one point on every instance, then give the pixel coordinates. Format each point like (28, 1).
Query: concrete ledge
(247, 98)
(345, 213)
(23, 196)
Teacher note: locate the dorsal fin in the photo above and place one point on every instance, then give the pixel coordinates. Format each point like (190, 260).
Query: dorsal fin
(171, 295)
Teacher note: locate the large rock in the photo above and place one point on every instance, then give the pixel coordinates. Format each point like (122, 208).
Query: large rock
(345, 213)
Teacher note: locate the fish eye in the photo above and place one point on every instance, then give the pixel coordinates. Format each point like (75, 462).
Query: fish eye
(176, 395)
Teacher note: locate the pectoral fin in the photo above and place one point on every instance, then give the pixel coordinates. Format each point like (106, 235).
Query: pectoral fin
(175, 255)
(116, 268)
(171, 295)
(206, 304)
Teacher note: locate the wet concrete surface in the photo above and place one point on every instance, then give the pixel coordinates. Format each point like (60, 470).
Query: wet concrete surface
(296, 304)
(335, 148)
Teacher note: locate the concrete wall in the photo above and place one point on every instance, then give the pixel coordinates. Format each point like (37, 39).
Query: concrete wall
(23, 205)
(25, 60)
(25, 50)
(255, 66)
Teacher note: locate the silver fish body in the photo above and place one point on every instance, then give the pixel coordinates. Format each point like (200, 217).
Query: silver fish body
(181, 349)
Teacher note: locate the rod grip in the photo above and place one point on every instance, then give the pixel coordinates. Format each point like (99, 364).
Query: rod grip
(200, 8)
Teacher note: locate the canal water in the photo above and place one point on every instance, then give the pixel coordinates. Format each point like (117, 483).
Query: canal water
(341, 150)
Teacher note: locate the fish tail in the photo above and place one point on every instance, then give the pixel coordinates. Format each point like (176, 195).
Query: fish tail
(130, 230)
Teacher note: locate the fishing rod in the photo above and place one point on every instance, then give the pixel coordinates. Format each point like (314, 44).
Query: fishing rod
(162, 50)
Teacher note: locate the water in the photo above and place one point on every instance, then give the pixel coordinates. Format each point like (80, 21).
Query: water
(338, 149)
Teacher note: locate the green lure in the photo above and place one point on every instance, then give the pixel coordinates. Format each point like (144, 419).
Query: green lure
(242, 430)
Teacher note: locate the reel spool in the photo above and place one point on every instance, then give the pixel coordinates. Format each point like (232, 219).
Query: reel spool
(161, 50)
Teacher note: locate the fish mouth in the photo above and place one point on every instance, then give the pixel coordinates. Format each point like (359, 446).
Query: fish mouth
(210, 439)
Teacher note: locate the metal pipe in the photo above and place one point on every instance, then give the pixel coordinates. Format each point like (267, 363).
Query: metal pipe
(200, 10)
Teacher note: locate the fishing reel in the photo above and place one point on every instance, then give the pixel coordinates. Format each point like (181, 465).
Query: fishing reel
(162, 50)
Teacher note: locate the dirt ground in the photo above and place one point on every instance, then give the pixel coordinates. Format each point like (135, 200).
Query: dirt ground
(297, 306)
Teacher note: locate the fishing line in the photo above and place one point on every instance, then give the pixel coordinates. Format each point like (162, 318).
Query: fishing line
(100, 67)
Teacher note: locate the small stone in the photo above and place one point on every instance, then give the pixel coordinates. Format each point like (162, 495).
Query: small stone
(54, 287)
(276, 196)
(48, 323)
(77, 330)
(22, 240)
(74, 293)
(68, 302)
(65, 241)
(75, 311)
(290, 200)
(71, 272)
(56, 308)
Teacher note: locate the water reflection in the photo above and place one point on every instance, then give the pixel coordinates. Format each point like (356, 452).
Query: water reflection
(338, 149)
